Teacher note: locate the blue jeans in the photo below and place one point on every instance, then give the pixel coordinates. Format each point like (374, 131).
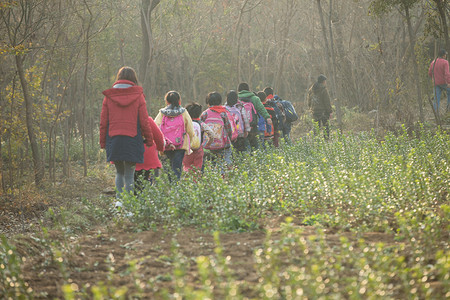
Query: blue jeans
(176, 161)
(252, 141)
(124, 177)
(438, 92)
(222, 159)
(287, 126)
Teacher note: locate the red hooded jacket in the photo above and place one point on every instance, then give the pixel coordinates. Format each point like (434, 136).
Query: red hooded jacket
(151, 159)
(120, 111)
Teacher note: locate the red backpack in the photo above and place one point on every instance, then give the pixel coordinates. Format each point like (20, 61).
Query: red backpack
(174, 130)
(215, 122)
(269, 132)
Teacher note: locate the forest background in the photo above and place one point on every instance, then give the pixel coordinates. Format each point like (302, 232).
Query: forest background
(57, 56)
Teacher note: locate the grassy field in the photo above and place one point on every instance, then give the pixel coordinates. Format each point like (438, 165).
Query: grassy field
(356, 217)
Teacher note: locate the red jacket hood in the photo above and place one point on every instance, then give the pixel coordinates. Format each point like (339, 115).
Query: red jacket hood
(124, 96)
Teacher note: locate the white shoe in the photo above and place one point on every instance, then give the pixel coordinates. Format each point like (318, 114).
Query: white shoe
(118, 204)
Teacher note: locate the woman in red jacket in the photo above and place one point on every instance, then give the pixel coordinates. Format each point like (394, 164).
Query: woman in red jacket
(123, 127)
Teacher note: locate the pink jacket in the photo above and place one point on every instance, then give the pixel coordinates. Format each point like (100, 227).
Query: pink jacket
(151, 159)
(441, 71)
(120, 111)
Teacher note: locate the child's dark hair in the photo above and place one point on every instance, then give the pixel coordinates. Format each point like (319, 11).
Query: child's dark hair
(232, 98)
(442, 52)
(243, 86)
(173, 98)
(262, 96)
(268, 90)
(213, 98)
(194, 109)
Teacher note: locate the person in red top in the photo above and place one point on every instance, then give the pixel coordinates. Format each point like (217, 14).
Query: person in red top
(270, 101)
(220, 155)
(268, 136)
(194, 161)
(151, 159)
(123, 127)
(440, 73)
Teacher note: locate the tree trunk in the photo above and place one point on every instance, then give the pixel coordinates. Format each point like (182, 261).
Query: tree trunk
(237, 36)
(334, 74)
(2, 181)
(83, 108)
(37, 163)
(412, 41)
(330, 64)
(147, 6)
(290, 14)
(441, 7)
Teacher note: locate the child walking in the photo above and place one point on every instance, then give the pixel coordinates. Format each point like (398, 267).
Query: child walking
(176, 125)
(267, 136)
(218, 118)
(237, 111)
(149, 170)
(194, 161)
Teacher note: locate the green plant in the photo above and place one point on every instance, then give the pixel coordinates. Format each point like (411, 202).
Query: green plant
(12, 283)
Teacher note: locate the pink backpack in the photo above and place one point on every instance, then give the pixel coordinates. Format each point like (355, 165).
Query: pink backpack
(251, 112)
(234, 131)
(173, 130)
(238, 122)
(215, 122)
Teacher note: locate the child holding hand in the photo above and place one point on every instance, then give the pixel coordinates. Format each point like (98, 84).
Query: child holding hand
(194, 161)
(149, 169)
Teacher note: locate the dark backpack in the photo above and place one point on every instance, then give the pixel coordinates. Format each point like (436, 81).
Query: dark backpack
(261, 123)
(279, 112)
(289, 110)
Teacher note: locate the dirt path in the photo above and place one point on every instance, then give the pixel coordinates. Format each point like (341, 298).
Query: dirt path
(94, 254)
(143, 262)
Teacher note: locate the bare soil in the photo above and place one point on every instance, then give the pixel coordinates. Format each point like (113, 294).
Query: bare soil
(103, 254)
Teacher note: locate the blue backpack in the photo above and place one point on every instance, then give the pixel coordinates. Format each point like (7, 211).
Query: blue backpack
(261, 123)
(275, 104)
(289, 110)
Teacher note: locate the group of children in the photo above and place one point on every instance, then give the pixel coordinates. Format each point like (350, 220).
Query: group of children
(182, 134)
(134, 142)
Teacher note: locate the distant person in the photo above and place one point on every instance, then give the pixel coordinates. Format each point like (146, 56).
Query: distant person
(319, 103)
(288, 116)
(246, 96)
(279, 112)
(123, 127)
(267, 137)
(147, 171)
(176, 125)
(439, 72)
